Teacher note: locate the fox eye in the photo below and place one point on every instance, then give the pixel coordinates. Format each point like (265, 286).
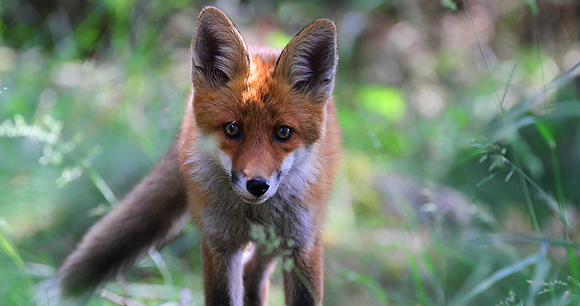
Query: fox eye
(283, 133)
(232, 130)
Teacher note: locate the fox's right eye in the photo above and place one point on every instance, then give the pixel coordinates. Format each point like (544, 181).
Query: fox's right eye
(232, 130)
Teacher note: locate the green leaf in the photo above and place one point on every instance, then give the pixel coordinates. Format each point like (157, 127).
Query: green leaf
(573, 262)
(533, 6)
(449, 4)
(387, 102)
(546, 134)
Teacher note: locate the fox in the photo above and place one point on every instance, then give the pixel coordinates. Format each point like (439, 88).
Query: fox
(259, 145)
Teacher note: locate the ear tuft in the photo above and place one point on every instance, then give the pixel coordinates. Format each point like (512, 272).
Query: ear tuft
(218, 50)
(309, 60)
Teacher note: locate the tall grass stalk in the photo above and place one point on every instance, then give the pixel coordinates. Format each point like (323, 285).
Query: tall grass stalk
(499, 275)
(11, 251)
(526, 193)
(499, 102)
(549, 137)
(368, 282)
(416, 275)
(411, 224)
(542, 264)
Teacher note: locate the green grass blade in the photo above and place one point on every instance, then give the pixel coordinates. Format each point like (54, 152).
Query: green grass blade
(367, 281)
(9, 249)
(573, 262)
(527, 194)
(540, 274)
(161, 265)
(545, 133)
(533, 6)
(494, 278)
(507, 86)
(522, 239)
(495, 130)
(416, 275)
(102, 186)
(499, 104)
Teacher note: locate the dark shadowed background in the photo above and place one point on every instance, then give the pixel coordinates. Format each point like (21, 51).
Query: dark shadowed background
(461, 176)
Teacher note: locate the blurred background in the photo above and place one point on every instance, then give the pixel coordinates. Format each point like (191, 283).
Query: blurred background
(461, 131)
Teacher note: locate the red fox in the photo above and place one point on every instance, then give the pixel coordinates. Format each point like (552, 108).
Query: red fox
(259, 146)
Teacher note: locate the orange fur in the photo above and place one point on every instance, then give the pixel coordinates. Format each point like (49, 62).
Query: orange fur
(270, 89)
(234, 182)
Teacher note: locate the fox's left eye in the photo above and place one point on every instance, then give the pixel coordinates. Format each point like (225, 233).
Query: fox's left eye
(283, 133)
(232, 130)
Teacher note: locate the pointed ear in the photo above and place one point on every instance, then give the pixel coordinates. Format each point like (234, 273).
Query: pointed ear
(309, 60)
(219, 53)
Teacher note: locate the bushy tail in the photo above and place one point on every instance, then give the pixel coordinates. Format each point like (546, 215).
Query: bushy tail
(152, 213)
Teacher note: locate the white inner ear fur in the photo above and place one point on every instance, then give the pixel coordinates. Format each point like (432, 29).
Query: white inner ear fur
(300, 67)
(311, 56)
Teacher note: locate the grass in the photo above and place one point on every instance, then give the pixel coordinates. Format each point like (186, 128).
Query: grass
(471, 203)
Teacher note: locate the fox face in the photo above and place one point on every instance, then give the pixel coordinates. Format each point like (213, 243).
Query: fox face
(259, 112)
(259, 142)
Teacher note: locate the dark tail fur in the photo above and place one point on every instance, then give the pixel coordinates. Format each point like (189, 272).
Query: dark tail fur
(151, 214)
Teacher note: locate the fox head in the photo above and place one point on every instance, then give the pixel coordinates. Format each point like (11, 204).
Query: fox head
(260, 112)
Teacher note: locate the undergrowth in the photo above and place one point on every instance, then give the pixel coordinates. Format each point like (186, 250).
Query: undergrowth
(508, 236)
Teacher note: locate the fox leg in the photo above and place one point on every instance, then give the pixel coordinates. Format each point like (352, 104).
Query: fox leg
(222, 275)
(257, 270)
(303, 282)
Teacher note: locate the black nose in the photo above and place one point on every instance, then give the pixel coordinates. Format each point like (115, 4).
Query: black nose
(257, 186)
